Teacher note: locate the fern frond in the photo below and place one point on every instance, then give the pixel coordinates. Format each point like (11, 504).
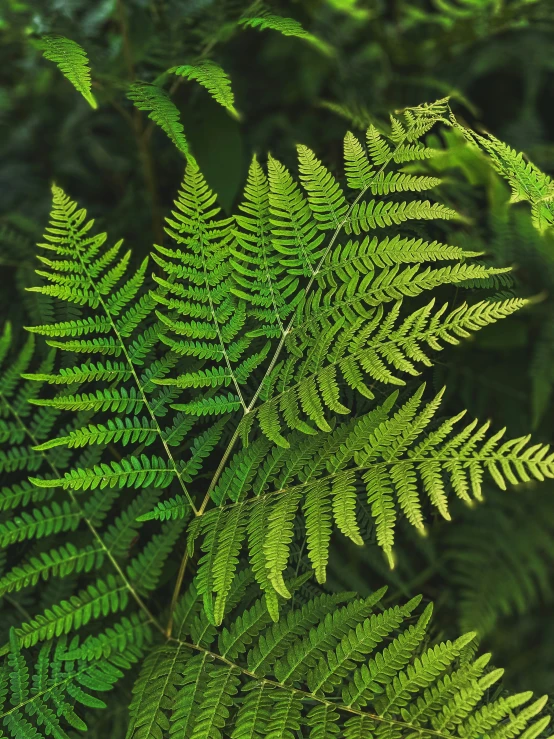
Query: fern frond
(211, 76)
(278, 323)
(356, 114)
(372, 214)
(78, 327)
(59, 684)
(393, 461)
(356, 644)
(103, 400)
(72, 61)
(119, 535)
(343, 670)
(163, 111)
(39, 523)
(501, 539)
(259, 275)
(107, 370)
(119, 304)
(136, 472)
(199, 284)
(382, 351)
(358, 170)
(275, 642)
(325, 196)
(133, 632)
(369, 253)
(217, 405)
(56, 562)
(294, 233)
(188, 701)
(262, 20)
(145, 570)
(101, 598)
(131, 430)
(526, 180)
(167, 509)
(286, 26)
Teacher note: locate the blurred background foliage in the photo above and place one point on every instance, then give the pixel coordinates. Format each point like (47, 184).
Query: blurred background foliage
(359, 61)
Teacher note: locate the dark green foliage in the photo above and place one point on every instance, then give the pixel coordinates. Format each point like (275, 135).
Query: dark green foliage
(206, 439)
(195, 329)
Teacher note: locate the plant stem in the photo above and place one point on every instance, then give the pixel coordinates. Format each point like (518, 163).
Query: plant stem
(175, 597)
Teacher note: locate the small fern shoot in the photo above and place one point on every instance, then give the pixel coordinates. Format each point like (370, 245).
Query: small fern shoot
(261, 18)
(163, 111)
(527, 181)
(72, 61)
(211, 76)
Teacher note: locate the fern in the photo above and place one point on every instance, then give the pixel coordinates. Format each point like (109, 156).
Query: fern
(60, 683)
(261, 18)
(21, 428)
(279, 329)
(72, 61)
(362, 670)
(391, 459)
(521, 549)
(286, 26)
(210, 75)
(163, 111)
(525, 178)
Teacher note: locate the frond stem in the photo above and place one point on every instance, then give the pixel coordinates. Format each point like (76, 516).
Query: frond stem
(176, 592)
(219, 334)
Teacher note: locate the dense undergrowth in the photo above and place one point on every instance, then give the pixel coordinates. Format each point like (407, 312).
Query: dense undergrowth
(248, 439)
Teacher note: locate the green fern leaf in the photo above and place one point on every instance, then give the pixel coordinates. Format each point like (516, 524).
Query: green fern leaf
(163, 112)
(72, 62)
(155, 688)
(136, 472)
(265, 20)
(107, 596)
(210, 75)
